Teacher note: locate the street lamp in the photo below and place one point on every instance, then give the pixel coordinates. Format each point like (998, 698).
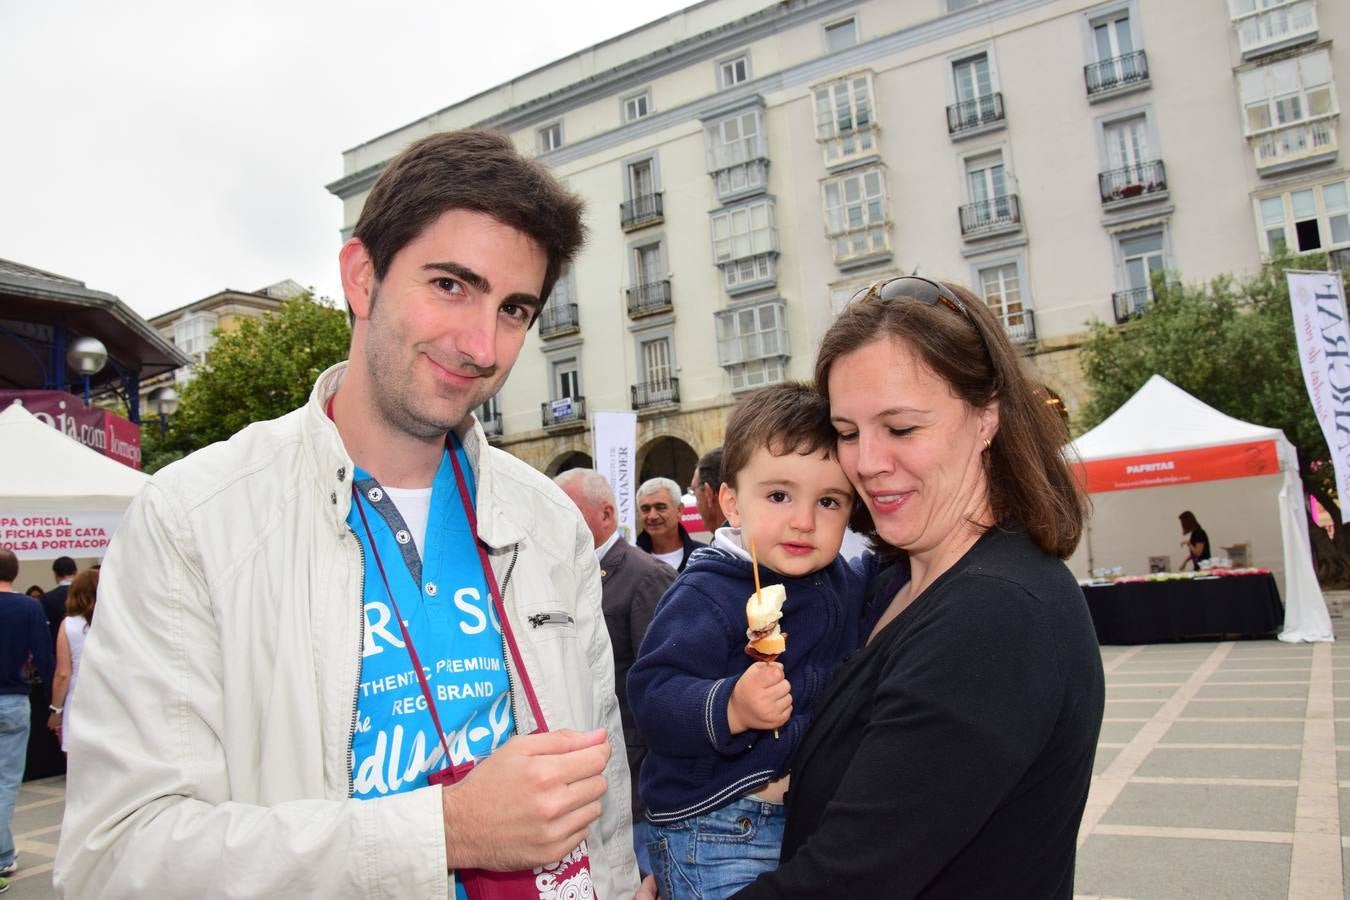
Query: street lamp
(164, 400)
(87, 356)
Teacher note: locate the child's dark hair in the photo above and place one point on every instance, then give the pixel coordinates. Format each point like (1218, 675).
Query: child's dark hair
(785, 418)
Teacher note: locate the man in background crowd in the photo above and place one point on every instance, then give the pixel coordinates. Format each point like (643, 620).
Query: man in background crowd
(54, 601)
(707, 484)
(662, 535)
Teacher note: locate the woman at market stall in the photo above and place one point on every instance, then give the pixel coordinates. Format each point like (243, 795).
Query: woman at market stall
(951, 756)
(1196, 541)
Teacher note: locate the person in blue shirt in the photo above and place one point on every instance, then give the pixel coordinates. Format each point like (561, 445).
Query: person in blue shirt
(23, 636)
(720, 726)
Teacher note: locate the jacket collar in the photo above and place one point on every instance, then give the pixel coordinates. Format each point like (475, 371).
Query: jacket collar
(333, 467)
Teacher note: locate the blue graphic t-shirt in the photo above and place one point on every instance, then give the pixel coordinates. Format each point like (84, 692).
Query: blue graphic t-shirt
(448, 610)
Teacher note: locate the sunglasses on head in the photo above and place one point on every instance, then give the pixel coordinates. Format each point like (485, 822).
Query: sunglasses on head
(914, 287)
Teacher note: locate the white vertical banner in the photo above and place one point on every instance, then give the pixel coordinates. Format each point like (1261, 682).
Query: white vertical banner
(1318, 302)
(615, 437)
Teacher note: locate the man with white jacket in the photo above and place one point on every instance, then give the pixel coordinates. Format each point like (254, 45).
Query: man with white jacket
(257, 724)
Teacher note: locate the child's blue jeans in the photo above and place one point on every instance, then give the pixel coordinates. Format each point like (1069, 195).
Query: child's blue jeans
(712, 856)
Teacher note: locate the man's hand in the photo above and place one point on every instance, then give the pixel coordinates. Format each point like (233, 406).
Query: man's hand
(528, 804)
(762, 699)
(647, 890)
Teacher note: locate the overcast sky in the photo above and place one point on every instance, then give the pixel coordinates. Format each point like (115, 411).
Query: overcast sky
(163, 150)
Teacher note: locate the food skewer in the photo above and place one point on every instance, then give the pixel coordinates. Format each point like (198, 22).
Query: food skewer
(754, 567)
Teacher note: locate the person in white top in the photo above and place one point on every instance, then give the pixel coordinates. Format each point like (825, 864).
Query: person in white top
(69, 648)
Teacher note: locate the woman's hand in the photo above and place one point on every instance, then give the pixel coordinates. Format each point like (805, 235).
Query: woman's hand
(647, 890)
(54, 723)
(762, 699)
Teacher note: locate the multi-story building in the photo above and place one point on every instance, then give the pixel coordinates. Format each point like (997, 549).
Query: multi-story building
(192, 328)
(749, 167)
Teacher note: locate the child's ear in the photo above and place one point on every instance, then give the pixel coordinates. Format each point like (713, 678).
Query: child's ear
(726, 498)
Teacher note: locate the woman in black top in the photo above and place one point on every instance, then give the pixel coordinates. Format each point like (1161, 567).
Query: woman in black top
(951, 756)
(1196, 542)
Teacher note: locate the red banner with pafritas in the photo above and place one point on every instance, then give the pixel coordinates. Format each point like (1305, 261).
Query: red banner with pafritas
(1182, 467)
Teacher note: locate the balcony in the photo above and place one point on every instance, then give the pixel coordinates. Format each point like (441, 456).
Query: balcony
(858, 247)
(649, 299)
(990, 217)
(641, 211)
(558, 319)
(1118, 75)
(1020, 326)
(1131, 303)
(565, 411)
(1128, 185)
(848, 147)
(1293, 146)
(647, 394)
(1264, 31)
(976, 116)
(492, 426)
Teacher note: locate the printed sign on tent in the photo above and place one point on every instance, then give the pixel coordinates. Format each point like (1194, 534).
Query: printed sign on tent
(47, 536)
(1318, 302)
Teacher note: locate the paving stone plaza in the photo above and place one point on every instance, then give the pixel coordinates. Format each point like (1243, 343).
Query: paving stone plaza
(1223, 771)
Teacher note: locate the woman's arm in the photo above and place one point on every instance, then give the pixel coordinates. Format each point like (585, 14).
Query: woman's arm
(964, 705)
(61, 680)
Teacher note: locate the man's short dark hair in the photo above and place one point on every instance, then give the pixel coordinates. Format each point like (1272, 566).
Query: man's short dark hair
(474, 170)
(709, 469)
(64, 567)
(9, 564)
(785, 418)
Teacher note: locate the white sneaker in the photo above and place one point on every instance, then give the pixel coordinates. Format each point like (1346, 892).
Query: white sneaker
(12, 867)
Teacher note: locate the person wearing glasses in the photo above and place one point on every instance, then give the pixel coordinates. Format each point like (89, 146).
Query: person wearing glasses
(951, 756)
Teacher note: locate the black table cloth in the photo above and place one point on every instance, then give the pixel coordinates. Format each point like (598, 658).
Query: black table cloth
(1154, 612)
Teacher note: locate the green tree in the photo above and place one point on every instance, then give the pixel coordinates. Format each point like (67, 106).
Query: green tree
(261, 370)
(1231, 344)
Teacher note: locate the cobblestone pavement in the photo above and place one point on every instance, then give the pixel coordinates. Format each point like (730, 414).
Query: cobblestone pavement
(1223, 771)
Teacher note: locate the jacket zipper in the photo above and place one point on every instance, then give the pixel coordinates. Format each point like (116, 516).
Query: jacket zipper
(506, 650)
(360, 661)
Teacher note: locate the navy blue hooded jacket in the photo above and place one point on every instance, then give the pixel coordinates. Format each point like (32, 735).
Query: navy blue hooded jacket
(693, 655)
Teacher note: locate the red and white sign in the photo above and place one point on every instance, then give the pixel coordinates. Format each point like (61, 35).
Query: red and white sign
(1182, 467)
(93, 426)
(49, 535)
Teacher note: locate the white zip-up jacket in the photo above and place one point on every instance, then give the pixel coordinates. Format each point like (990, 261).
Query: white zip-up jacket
(218, 687)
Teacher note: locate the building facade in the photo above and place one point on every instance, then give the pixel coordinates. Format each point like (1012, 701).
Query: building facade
(749, 167)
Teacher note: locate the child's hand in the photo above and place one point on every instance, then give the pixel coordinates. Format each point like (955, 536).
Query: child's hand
(762, 699)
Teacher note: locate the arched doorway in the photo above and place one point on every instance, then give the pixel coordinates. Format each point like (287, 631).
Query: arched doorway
(668, 457)
(573, 459)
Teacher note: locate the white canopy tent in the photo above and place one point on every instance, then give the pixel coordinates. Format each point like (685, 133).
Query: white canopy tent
(1163, 452)
(57, 496)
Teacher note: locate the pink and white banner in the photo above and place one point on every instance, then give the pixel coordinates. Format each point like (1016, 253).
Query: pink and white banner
(49, 535)
(93, 426)
(615, 445)
(1318, 302)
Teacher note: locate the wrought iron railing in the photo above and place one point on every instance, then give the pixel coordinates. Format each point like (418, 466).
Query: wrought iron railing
(990, 215)
(566, 411)
(656, 393)
(558, 319)
(641, 211)
(975, 113)
(1116, 72)
(652, 297)
(1131, 303)
(1132, 181)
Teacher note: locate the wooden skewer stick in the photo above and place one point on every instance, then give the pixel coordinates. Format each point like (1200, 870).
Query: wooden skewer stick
(754, 566)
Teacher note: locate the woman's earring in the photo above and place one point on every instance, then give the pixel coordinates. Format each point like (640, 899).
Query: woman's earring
(987, 443)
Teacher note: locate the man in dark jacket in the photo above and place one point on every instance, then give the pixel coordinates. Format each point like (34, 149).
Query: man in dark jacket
(631, 582)
(54, 601)
(23, 636)
(663, 536)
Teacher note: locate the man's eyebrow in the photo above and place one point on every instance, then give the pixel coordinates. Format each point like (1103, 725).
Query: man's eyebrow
(463, 273)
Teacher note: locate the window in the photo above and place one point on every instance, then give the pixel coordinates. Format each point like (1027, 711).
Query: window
(489, 414)
(972, 78)
(564, 290)
(954, 5)
(566, 380)
(745, 243)
(1287, 92)
(550, 137)
(844, 122)
(1111, 37)
(856, 214)
(752, 344)
(655, 361)
(637, 106)
(1127, 142)
(737, 155)
(641, 179)
(1320, 216)
(985, 180)
(647, 264)
(841, 35)
(1002, 286)
(732, 72)
(192, 334)
(1141, 256)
